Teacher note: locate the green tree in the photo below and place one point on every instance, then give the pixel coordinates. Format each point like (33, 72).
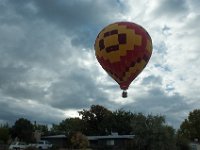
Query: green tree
(68, 126)
(55, 129)
(4, 133)
(182, 143)
(97, 120)
(42, 128)
(71, 125)
(151, 133)
(23, 129)
(122, 121)
(190, 127)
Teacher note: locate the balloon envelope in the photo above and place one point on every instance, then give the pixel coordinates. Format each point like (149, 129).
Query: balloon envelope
(123, 49)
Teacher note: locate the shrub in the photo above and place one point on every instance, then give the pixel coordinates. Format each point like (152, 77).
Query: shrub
(78, 140)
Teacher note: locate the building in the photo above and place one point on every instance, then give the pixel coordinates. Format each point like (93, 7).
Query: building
(59, 141)
(113, 141)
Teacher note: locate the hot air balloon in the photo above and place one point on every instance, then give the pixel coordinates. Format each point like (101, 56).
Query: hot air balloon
(123, 49)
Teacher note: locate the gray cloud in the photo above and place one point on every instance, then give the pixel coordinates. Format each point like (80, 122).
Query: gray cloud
(12, 109)
(172, 8)
(79, 19)
(158, 102)
(194, 5)
(38, 62)
(152, 80)
(78, 90)
(5, 113)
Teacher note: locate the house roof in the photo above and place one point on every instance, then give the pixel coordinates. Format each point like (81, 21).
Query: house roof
(111, 137)
(55, 136)
(114, 136)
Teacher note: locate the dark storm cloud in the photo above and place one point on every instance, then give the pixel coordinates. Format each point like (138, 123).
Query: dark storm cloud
(23, 91)
(11, 73)
(6, 113)
(27, 57)
(14, 81)
(12, 109)
(79, 19)
(30, 44)
(39, 64)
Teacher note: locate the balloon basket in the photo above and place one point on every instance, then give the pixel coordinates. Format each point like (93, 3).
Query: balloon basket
(124, 94)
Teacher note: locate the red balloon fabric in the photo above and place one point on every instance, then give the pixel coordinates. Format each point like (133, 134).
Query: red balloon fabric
(123, 49)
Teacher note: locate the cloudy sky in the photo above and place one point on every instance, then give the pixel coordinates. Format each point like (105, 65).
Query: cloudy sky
(48, 69)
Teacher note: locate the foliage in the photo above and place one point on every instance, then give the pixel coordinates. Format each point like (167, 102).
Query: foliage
(97, 120)
(122, 122)
(55, 129)
(71, 125)
(78, 140)
(4, 134)
(23, 129)
(42, 128)
(190, 127)
(182, 143)
(151, 133)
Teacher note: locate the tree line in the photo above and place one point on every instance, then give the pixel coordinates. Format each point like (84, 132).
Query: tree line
(151, 131)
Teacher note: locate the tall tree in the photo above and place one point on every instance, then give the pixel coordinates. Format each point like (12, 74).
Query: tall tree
(55, 129)
(151, 133)
(4, 133)
(190, 127)
(122, 121)
(42, 128)
(97, 120)
(71, 125)
(23, 129)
